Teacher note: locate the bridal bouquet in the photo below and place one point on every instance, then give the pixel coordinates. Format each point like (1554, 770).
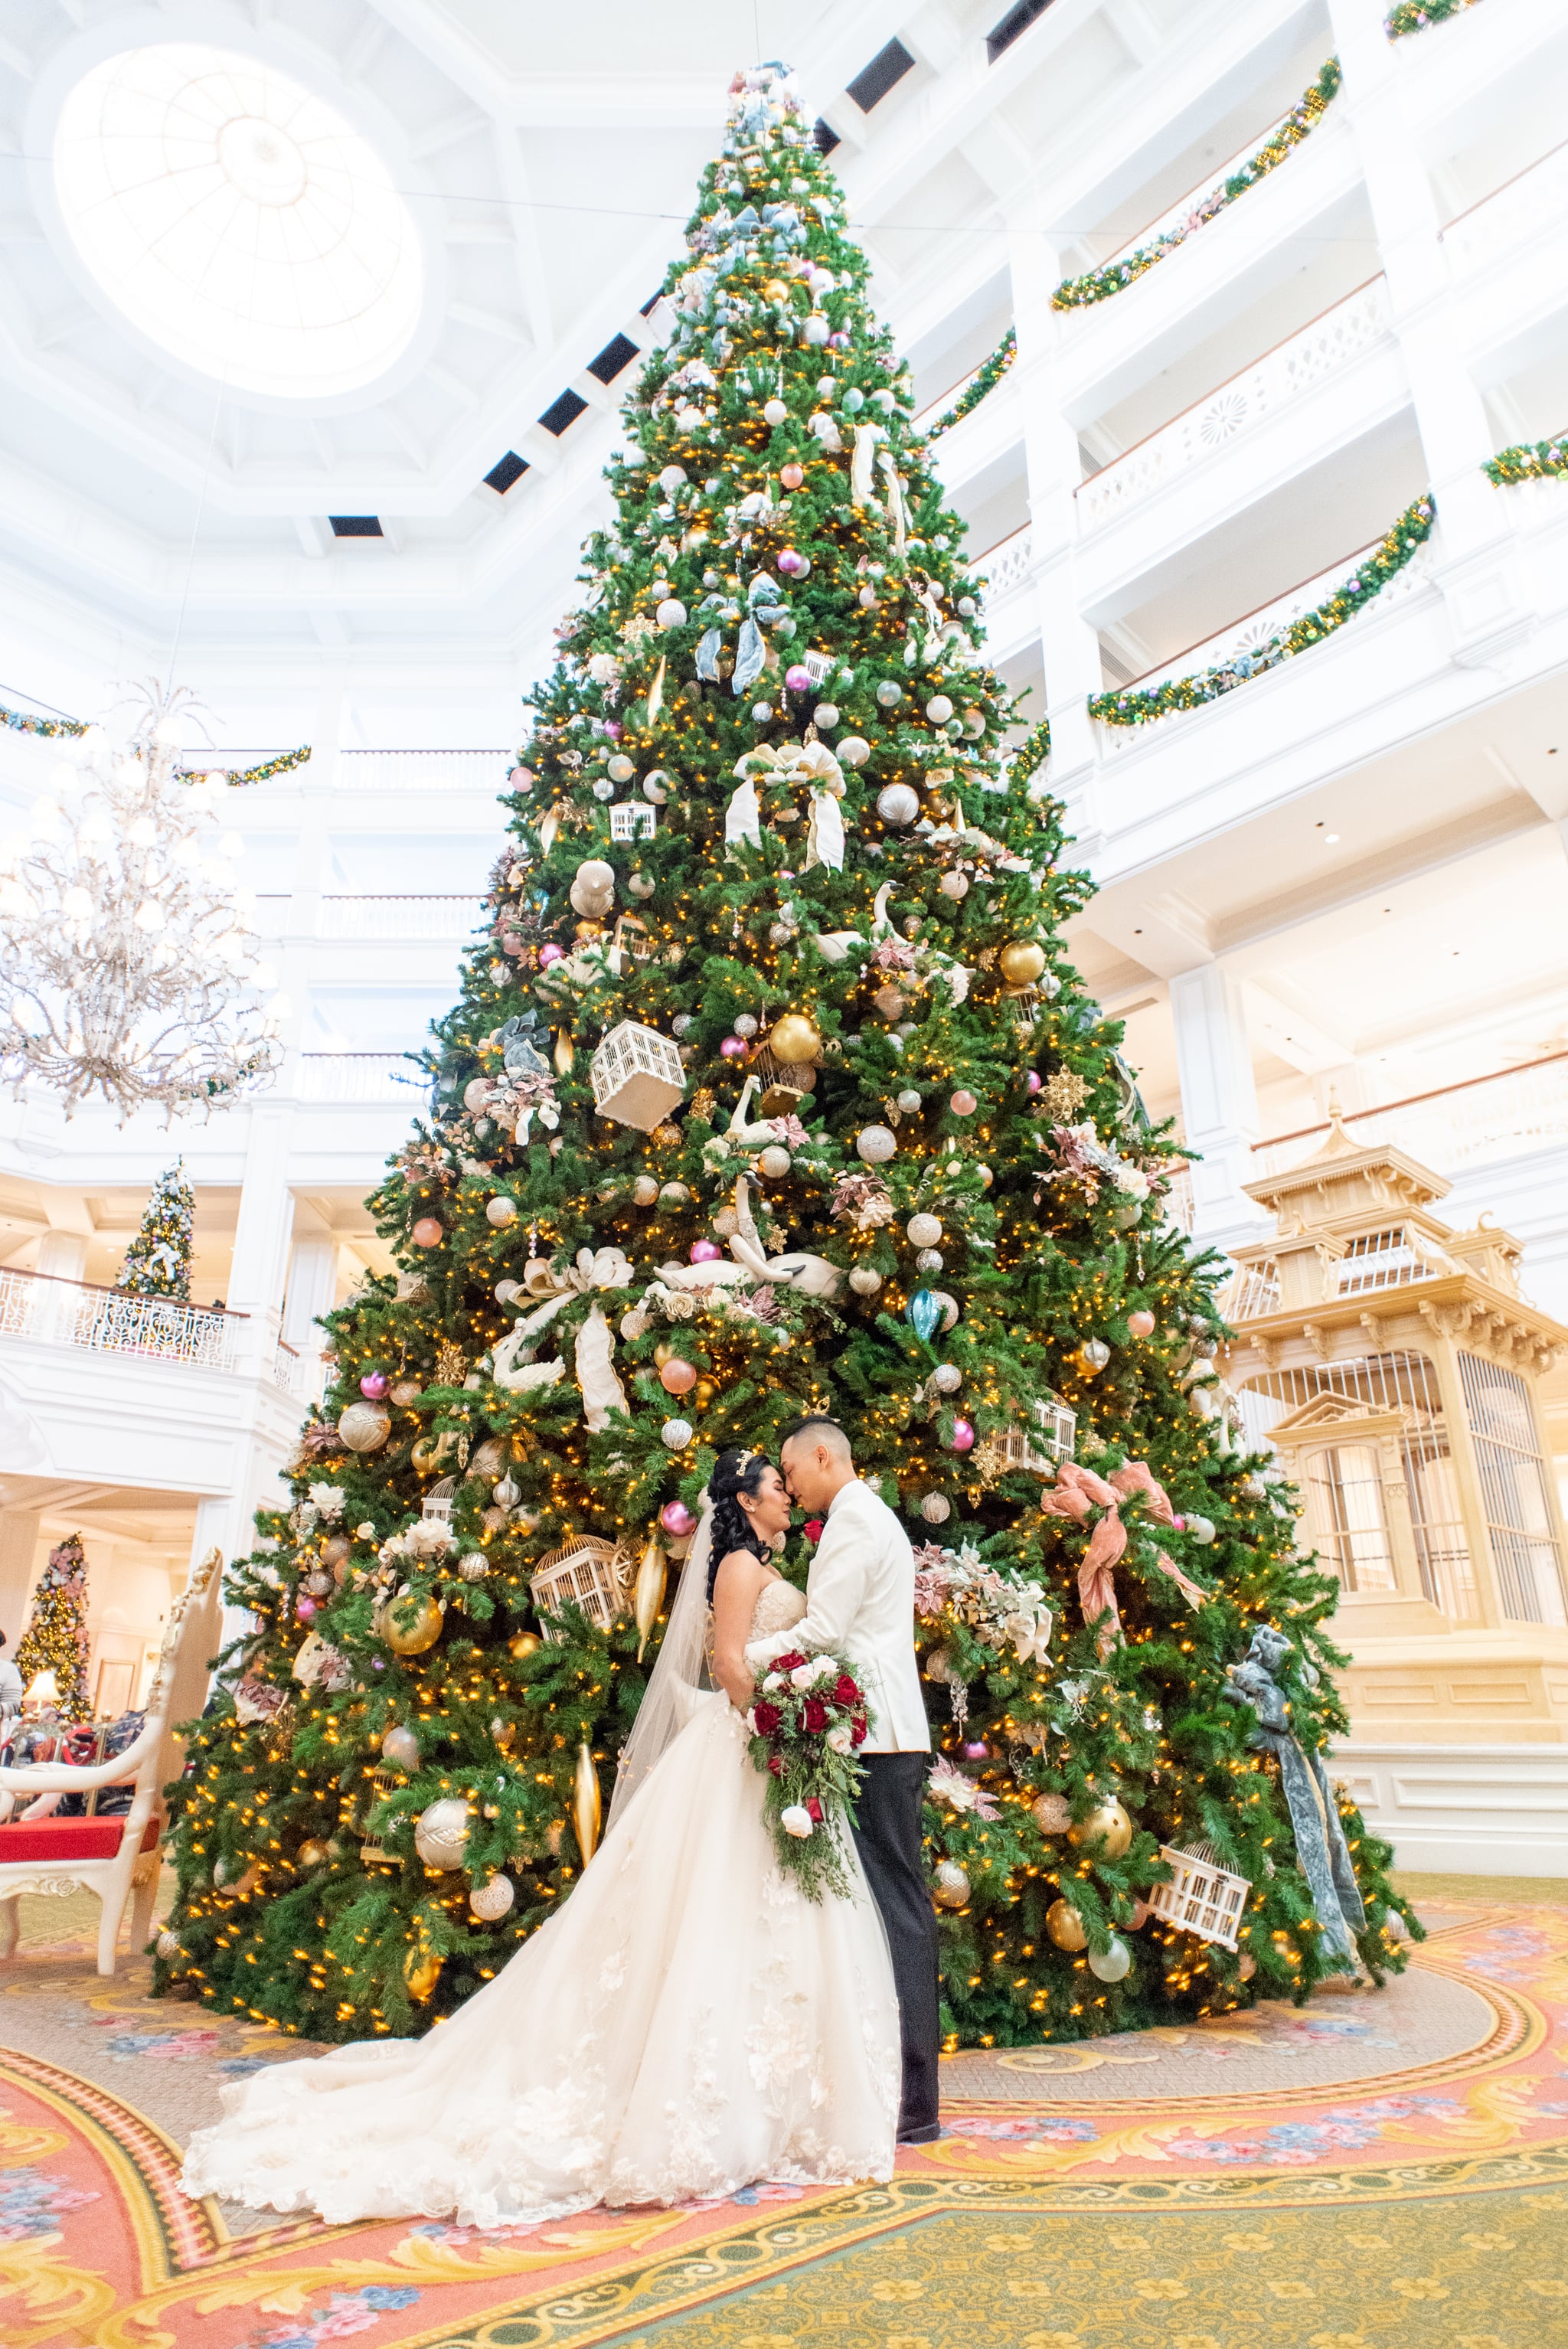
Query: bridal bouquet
(807, 1722)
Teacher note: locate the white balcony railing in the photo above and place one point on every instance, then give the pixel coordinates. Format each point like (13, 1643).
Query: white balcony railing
(1504, 1115)
(423, 770)
(390, 916)
(1249, 634)
(1187, 205)
(38, 1305)
(1283, 374)
(1007, 564)
(1525, 206)
(359, 1077)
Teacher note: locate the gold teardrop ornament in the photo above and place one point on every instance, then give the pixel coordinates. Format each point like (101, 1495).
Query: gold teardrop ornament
(649, 1595)
(587, 1807)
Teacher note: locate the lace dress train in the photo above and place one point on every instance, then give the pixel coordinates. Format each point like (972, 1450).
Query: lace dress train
(689, 2024)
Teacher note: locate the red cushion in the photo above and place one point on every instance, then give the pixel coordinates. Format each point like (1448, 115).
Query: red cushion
(67, 1840)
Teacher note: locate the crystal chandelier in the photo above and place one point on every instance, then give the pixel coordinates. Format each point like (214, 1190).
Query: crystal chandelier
(128, 963)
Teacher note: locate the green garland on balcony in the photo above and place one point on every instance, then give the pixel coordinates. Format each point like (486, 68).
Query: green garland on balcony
(988, 375)
(23, 722)
(1137, 706)
(1031, 751)
(1529, 460)
(1100, 284)
(1415, 16)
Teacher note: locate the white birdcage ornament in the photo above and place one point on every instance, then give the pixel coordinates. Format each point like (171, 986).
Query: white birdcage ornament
(631, 944)
(637, 1076)
(588, 1573)
(1036, 1455)
(382, 1782)
(437, 1508)
(1202, 1896)
(817, 665)
(632, 820)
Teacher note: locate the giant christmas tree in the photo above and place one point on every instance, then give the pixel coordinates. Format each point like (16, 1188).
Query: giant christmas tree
(770, 1089)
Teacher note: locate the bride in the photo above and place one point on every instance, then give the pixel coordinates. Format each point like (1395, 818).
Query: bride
(688, 2023)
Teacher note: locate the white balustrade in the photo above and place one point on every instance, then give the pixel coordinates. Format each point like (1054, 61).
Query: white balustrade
(1525, 206)
(423, 770)
(298, 1374)
(391, 917)
(37, 1305)
(1186, 209)
(1471, 1124)
(1258, 628)
(1283, 375)
(1006, 565)
(359, 1077)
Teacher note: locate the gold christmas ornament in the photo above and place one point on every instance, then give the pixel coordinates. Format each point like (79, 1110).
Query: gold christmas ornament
(587, 1805)
(1021, 962)
(364, 1426)
(794, 1038)
(1052, 1813)
(421, 1972)
(649, 1594)
(1105, 1833)
(524, 1645)
(423, 1456)
(952, 1885)
(1065, 1926)
(312, 1855)
(408, 1626)
(565, 1053)
(406, 1392)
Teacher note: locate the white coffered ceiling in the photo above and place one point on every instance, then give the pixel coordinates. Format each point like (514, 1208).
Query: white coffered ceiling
(548, 157)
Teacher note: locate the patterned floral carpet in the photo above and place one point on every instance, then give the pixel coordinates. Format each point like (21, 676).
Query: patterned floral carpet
(1372, 2172)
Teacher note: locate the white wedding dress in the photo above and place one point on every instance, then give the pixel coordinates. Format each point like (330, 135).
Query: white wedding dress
(688, 2025)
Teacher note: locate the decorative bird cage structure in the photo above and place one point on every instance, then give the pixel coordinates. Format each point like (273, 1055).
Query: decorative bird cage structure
(637, 1075)
(381, 1782)
(1024, 1452)
(631, 944)
(1202, 1896)
(1391, 1364)
(588, 1573)
(437, 1508)
(632, 820)
(782, 1085)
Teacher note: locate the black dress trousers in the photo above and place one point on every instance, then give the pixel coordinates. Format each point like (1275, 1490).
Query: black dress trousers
(888, 1837)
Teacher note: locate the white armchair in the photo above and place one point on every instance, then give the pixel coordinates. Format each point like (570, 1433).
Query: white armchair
(116, 1857)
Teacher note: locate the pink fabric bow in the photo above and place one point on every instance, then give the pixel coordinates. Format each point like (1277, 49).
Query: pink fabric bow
(1135, 1479)
(1184, 1583)
(1097, 1584)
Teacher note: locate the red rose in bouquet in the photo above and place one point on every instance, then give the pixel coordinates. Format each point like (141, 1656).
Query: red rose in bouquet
(806, 1722)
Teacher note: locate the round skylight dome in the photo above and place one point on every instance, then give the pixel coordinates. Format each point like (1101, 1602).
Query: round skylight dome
(239, 220)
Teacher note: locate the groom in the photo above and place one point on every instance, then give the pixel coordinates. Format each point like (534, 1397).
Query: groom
(860, 1599)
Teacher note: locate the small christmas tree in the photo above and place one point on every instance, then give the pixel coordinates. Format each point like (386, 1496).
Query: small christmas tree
(771, 1089)
(56, 1638)
(157, 1261)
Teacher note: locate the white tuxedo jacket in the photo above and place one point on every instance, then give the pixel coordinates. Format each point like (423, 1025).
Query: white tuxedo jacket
(859, 1604)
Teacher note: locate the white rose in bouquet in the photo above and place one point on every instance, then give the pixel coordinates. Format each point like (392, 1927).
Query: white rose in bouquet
(796, 1820)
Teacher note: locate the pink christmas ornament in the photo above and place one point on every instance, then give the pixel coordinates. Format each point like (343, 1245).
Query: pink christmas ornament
(705, 1251)
(1141, 1323)
(1035, 1080)
(839, 341)
(791, 476)
(613, 728)
(964, 1103)
(976, 1750)
(797, 678)
(304, 1608)
(732, 1049)
(373, 1385)
(677, 1520)
(962, 1436)
(427, 1232)
(791, 563)
(547, 954)
(677, 1378)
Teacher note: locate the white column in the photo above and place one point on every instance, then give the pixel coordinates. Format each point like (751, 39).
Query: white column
(19, 1548)
(1070, 647)
(312, 1291)
(262, 1233)
(63, 1254)
(1218, 1103)
(1473, 542)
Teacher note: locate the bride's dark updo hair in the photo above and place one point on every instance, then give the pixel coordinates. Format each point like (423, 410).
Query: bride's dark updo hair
(735, 1472)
